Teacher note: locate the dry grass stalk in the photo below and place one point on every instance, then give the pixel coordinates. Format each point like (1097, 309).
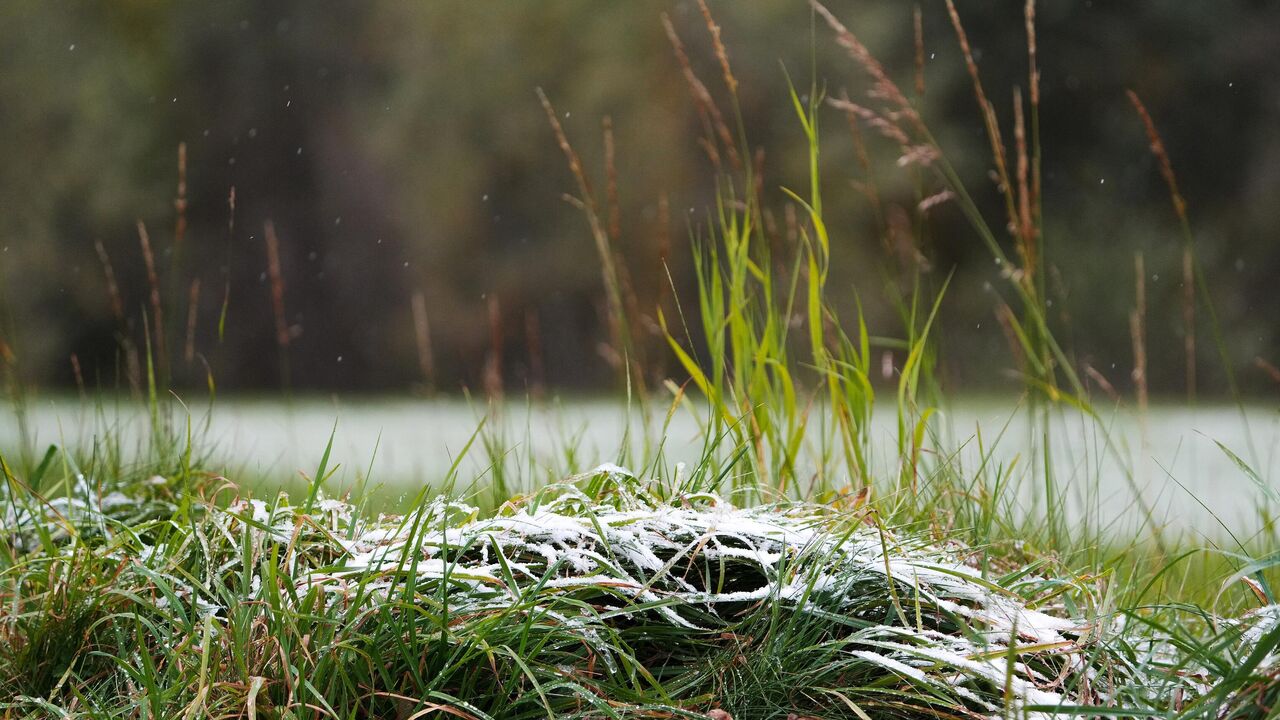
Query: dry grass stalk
(664, 244)
(1271, 370)
(615, 229)
(792, 223)
(1033, 71)
(493, 362)
(422, 333)
(611, 180)
(1007, 319)
(712, 119)
(622, 303)
(722, 54)
(533, 343)
(588, 205)
(884, 88)
(917, 18)
(1102, 382)
(1161, 155)
(1137, 331)
(886, 127)
(277, 284)
(998, 152)
(757, 188)
(193, 312)
(113, 288)
(1033, 81)
(153, 281)
(1026, 228)
(180, 202)
(78, 374)
(1189, 319)
(935, 200)
(226, 269)
(869, 186)
(1188, 257)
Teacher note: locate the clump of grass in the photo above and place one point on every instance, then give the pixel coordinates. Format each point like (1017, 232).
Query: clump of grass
(602, 596)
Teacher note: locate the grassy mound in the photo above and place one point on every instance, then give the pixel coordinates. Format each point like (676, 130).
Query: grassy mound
(591, 598)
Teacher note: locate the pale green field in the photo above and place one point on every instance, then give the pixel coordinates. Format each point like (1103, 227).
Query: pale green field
(1171, 457)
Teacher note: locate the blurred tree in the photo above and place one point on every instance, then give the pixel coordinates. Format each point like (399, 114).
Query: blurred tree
(399, 147)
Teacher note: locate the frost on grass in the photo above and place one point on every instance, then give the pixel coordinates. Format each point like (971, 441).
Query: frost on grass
(616, 578)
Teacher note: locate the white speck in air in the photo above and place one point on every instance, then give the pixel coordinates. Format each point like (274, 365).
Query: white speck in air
(71, 47)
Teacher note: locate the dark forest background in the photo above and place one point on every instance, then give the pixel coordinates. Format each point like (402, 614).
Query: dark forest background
(398, 148)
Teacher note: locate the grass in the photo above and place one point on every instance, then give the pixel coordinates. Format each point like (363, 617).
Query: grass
(800, 568)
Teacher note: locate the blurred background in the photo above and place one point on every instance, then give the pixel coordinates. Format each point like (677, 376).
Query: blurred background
(398, 151)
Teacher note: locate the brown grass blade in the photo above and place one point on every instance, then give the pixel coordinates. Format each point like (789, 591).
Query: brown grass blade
(917, 21)
(193, 311)
(113, 288)
(1137, 332)
(998, 152)
(422, 334)
(277, 284)
(153, 282)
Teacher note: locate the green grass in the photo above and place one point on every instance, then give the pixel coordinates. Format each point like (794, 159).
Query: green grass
(801, 567)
